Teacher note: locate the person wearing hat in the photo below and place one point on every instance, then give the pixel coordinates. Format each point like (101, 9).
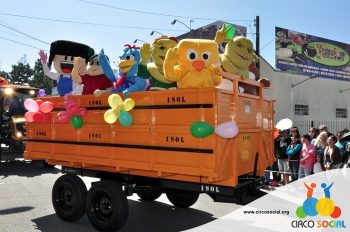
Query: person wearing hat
(62, 53)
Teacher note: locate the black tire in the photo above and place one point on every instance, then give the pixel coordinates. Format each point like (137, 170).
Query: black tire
(150, 195)
(181, 198)
(107, 206)
(69, 197)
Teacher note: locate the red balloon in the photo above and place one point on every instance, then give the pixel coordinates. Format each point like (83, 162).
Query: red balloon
(38, 116)
(39, 102)
(336, 212)
(29, 116)
(68, 103)
(83, 112)
(46, 107)
(63, 117)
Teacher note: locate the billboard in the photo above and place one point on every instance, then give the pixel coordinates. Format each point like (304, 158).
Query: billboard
(308, 55)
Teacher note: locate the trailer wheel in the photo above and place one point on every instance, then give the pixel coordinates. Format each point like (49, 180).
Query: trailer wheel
(181, 198)
(107, 206)
(69, 197)
(150, 195)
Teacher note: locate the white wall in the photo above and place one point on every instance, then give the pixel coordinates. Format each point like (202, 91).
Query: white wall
(322, 95)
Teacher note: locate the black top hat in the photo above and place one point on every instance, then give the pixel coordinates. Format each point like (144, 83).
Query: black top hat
(70, 48)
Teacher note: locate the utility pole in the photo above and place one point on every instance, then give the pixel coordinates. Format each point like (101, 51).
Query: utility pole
(257, 41)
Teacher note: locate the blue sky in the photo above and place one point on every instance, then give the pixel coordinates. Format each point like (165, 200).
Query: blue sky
(322, 18)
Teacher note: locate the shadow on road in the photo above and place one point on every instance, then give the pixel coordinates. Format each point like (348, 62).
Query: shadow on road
(15, 210)
(24, 168)
(143, 216)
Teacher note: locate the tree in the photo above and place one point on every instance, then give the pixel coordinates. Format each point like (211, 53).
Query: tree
(39, 79)
(21, 72)
(5, 75)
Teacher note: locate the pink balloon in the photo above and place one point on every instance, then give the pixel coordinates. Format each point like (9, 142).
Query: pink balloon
(38, 116)
(46, 107)
(39, 101)
(29, 116)
(227, 130)
(68, 103)
(83, 112)
(72, 107)
(31, 105)
(63, 117)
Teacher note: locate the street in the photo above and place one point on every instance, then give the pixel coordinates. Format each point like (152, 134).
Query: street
(25, 205)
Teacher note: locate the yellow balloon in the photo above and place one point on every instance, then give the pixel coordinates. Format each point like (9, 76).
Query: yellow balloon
(114, 100)
(325, 206)
(110, 116)
(128, 104)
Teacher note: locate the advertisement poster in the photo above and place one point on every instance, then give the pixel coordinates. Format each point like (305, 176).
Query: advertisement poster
(310, 55)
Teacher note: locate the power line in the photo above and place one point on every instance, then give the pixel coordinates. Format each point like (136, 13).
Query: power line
(267, 44)
(22, 33)
(159, 14)
(14, 41)
(86, 23)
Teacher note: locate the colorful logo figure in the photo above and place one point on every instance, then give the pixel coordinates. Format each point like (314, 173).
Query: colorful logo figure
(323, 206)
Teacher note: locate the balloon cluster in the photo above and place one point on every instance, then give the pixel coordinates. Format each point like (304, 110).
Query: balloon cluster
(119, 109)
(227, 130)
(73, 113)
(38, 110)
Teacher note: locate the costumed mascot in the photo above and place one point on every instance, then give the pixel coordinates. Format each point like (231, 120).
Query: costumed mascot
(94, 81)
(62, 53)
(239, 57)
(193, 63)
(154, 70)
(127, 80)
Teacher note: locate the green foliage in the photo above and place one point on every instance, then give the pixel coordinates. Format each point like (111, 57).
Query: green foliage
(4, 75)
(21, 72)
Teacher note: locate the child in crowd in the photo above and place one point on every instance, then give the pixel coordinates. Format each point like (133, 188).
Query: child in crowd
(318, 165)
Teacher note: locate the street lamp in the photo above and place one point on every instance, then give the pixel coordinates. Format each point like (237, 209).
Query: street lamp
(189, 27)
(152, 33)
(313, 76)
(137, 40)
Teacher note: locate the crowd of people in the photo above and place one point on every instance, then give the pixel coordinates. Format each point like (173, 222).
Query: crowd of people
(299, 156)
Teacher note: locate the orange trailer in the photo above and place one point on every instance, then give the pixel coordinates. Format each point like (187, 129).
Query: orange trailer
(157, 153)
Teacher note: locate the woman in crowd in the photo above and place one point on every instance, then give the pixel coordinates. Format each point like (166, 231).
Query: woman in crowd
(307, 158)
(293, 153)
(313, 134)
(332, 157)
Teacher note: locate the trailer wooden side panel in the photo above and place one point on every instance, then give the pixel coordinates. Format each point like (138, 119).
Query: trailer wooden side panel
(159, 142)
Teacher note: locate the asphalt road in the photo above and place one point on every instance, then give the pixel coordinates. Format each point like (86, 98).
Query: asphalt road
(25, 205)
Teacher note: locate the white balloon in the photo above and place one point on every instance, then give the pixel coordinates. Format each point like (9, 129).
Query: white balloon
(284, 124)
(227, 130)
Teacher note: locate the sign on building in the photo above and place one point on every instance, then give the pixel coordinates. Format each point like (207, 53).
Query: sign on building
(308, 55)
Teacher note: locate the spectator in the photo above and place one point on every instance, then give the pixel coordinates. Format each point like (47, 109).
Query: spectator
(321, 144)
(281, 144)
(294, 130)
(324, 128)
(341, 144)
(307, 159)
(318, 166)
(332, 157)
(313, 134)
(293, 152)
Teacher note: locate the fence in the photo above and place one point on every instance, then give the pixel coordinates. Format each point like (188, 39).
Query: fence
(333, 126)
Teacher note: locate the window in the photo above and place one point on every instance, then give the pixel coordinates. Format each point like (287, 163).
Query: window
(341, 113)
(301, 109)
